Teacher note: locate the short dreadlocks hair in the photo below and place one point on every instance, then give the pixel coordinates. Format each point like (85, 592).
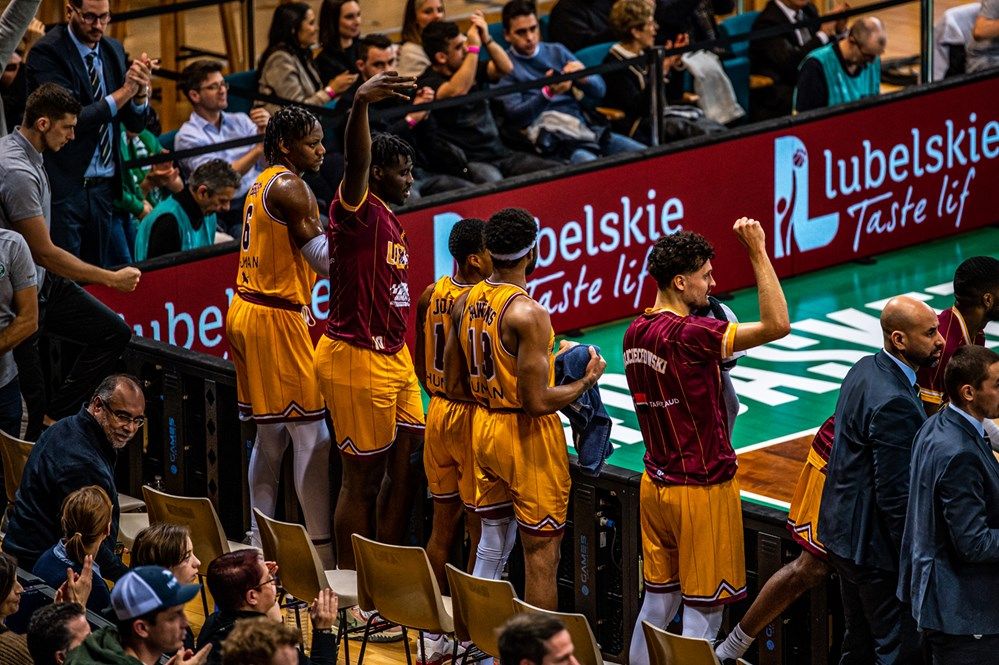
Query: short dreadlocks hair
(387, 149)
(466, 239)
(509, 231)
(290, 124)
(974, 278)
(678, 254)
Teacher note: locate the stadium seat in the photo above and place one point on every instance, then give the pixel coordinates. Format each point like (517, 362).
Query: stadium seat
(591, 56)
(15, 453)
(245, 82)
(480, 607)
(737, 66)
(585, 643)
(671, 649)
(167, 139)
(496, 32)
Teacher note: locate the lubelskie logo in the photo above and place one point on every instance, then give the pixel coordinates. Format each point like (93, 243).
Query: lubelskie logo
(793, 227)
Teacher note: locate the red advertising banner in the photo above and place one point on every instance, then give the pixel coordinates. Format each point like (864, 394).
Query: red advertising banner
(828, 191)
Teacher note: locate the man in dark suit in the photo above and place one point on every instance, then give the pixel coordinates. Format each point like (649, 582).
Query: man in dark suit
(949, 568)
(867, 479)
(778, 57)
(85, 174)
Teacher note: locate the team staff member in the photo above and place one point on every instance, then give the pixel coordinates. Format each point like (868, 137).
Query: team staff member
(505, 339)
(282, 246)
(691, 513)
(363, 364)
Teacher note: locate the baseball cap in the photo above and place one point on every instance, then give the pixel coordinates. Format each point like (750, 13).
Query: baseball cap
(149, 589)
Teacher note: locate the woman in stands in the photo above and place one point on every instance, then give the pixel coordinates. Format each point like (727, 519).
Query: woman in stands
(339, 30)
(418, 14)
(286, 67)
(168, 546)
(13, 647)
(86, 522)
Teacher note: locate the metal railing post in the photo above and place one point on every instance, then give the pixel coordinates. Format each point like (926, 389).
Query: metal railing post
(655, 74)
(926, 41)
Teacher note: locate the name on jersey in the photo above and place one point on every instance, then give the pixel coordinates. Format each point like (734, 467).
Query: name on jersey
(480, 309)
(481, 387)
(249, 262)
(644, 357)
(396, 255)
(443, 306)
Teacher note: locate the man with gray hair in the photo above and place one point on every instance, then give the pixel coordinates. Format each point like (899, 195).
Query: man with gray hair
(75, 452)
(843, 71)
(187, 220)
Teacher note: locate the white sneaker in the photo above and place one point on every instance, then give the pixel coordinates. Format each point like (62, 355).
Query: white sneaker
(437, 650)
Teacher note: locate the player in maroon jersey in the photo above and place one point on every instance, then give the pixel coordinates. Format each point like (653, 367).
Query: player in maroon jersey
(691, 512)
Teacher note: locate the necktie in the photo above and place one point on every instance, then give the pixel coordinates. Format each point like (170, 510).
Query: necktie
(802, 33)
(104, 134)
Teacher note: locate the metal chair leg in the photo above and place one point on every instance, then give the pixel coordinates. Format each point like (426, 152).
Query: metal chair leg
(204, 596)
(405, 641)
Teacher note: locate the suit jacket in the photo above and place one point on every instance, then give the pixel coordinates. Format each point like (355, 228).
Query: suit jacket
(56, 59)
(951, 543)
(867, 483)
(779, 57)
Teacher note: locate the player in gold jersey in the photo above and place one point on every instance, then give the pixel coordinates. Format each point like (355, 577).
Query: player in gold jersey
(500, 353)
(447, 442)
(282, 247)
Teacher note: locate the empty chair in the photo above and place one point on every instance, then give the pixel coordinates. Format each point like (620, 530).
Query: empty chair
(669, 649)
(398, 584)
(129, 526)
(584, 642)
(480, 606)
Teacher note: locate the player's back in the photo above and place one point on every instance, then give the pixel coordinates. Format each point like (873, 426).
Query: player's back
(436, 328)
(270, 264)
(955, 333)
(492, 367)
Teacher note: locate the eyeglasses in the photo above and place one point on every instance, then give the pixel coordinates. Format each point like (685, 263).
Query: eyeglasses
(215, 87)
(123, 417)
(90, 17)
(273, 579)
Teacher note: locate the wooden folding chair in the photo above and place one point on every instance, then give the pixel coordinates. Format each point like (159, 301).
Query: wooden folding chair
(480, 607)
(670, 649)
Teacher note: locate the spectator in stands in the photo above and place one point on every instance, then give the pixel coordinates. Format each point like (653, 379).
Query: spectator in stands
(142, 187)
(535, 639)
(168, 546)
(339, 32)
(84, 176)
(554, 120)
(843, 71)
(149, 606)
(210, 123)
(13, 647)
(77, 451)
(86, 523)
(286, 67)
(417, 15)
(455, 71)
(262, 642)
(245, 586)
(983, 47)
(15, 22)
(64, 308)
(186, 220)
(18, 321)
(576, 24)
(55, 630)
(780, 57)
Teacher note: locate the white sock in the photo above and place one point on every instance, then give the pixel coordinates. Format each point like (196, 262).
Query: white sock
(495, 544)
(735, 645)
(702, 622)
(658, 609)
(311, 440)
(265, 472)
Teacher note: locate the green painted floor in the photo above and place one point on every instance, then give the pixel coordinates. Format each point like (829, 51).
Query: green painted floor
(789, 387)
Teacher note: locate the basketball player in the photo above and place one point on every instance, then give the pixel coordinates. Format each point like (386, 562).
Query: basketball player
(365, 371)
(502, 345)
(447, 446)
(282, 247)
(690, 509)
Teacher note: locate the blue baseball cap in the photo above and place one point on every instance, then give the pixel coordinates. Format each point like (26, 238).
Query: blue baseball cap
(149, 589)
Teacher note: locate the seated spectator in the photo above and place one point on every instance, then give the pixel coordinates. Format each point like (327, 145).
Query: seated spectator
(576, 24)
(19, 31)
(416, 16)
(983, 47)
(148, 604)
(245, 586)
(186, 220)
(210, 123)
(55, 630)
(780, 57)
(86, 523)
(168, 546)
(535, 639)
(553, 119)
(13, 647)
(843, 71)
(261, 642)
(75, 452)
(286, 67)
(456, 71)
(339, 31)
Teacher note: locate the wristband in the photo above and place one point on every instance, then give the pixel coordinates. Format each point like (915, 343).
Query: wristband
(330, 91)
(411, 121)
(547, 92)
(486, 44)
(472, 49)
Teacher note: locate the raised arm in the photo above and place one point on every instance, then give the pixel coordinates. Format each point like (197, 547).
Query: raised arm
(357, 138)
(531, 325)
(774, 322)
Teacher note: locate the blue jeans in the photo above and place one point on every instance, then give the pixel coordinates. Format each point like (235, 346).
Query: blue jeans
(616, 144)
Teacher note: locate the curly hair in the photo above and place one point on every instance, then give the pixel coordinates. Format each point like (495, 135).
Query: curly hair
(255, 641)
(387, 149)
(466, 239)
(974, 278)
(509, 231)
(290, 124)
(628, 14)
(678, 254)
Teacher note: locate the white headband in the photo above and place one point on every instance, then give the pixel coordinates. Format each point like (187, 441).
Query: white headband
(514, 256)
